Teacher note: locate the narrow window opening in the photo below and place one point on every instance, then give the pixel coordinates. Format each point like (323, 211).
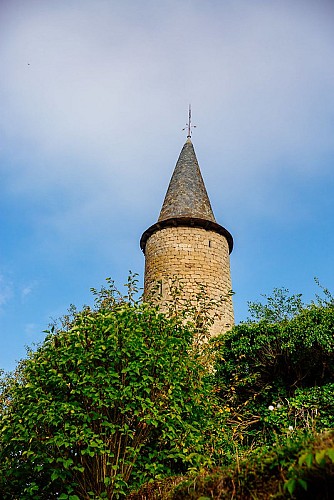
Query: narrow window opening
(209, 243)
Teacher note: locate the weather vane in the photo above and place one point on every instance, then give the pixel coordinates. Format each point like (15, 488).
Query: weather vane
(189, 126)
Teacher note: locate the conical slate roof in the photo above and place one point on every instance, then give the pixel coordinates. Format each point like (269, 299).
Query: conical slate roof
(186, 202)
(186, 195)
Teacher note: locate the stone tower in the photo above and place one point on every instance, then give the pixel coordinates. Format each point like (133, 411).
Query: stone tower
(188, 243)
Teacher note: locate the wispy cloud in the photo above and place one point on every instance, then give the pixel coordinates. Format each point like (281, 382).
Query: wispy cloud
(77, 76)
(26, 290)
(6, 291)
(93, 90)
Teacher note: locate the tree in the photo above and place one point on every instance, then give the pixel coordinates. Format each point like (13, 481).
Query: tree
(276, 378)
(280, 306)
(113, 397)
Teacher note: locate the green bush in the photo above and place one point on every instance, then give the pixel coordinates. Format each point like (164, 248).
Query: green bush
(302, 468)
(122, 398)
(275, 377)
(115, 397)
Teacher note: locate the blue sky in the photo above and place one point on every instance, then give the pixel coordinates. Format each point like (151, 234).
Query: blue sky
(93, 99)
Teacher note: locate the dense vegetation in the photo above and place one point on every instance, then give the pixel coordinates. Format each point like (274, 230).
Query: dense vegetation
(120, 398)
(114, 397)
(274, 378)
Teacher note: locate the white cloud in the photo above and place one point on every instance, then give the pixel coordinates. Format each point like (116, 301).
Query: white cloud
(98, 111)
(26, 290)
(6, 291)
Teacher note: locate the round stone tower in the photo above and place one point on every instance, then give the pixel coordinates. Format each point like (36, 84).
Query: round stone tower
(187, 245)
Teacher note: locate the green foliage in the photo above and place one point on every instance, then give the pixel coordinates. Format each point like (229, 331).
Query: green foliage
(311, 475)
(123, 398)
(280, 306)
(279, 472)
(116, 396)
(275, 382)
(275, 377)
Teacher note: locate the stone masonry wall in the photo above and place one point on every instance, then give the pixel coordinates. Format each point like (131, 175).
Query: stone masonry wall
(195, 256)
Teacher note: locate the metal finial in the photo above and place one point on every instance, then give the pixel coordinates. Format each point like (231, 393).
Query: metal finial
(189, 126)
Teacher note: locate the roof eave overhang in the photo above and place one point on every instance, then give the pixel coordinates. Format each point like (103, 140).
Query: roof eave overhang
(186, 222)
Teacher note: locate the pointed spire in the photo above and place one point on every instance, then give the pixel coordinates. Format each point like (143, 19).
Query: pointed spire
(186, 195)
(186, 202)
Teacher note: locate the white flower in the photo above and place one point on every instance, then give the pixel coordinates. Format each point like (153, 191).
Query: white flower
(279, 406)
(290, 428)
(271, 408)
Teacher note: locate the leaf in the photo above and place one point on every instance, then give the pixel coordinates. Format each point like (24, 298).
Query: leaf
(330, 454)
(307, 458)
(320, 457)
(290, 485)
(67, 463)
(55, 474)
(79, 468)
(302, 483)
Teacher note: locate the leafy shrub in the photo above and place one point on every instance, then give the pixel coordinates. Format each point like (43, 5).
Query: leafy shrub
(302, 468)
(275, 377)
(115, 397)
(312, 476)
(280, 306)
(123, 398)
